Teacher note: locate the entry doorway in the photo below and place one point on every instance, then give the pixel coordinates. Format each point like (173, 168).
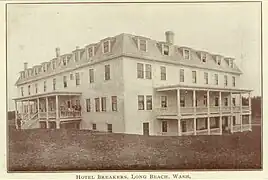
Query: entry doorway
(225, 124)
(146, 129)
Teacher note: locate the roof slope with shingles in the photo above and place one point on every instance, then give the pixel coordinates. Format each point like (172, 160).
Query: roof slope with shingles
(127, 45)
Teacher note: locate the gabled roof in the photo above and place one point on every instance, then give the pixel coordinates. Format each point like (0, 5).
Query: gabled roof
(126, 44)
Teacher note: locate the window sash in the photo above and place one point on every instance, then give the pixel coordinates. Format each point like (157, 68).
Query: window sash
(225, 80)
(164, 126)
(97, 104)
(206, 77)
(91, 75)
(148, 71)
(186, 54)
(106, 46)
(107, 72)
(233, 78)
(88, 105)
(216, 79)
(166, 50)
(94, 126)
(103, 104)
(22, 91)
(163, 73)
(45, 86)
(77, 78)
(114, 103)
(194, 76)
(163, 101)
(140, 73)
(149, 102)
(90, 52)
(110, 127)
(143, 45)
(140, 102)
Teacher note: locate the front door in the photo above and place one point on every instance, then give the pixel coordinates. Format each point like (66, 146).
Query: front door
(146, 129)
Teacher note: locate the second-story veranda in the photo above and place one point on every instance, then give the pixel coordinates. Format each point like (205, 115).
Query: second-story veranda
(193, 101)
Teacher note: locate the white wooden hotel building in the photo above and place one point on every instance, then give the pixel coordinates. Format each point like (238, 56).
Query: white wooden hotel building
(136, 85)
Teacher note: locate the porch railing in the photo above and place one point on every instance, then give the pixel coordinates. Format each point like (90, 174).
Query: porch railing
(202, 132)
(214, 109)
(237, 128)
(236, 109)
(226, 109)
(167, 111)
(200, 110)
(246, 127)
(187, 133)
(245, 108)
(187, 110)
(69, 114)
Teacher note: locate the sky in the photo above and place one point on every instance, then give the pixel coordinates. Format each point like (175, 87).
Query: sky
(230, 29)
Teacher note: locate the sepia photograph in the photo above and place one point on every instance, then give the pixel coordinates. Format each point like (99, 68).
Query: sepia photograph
(134, 86)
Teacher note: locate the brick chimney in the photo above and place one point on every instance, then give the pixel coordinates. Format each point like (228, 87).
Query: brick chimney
(25, 66)
(169, 37)
(57, 52)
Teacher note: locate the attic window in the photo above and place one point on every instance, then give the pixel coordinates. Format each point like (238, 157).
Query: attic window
(219, 61)
(186, 54)
(35, 71)
(231, 63)
(106, 46)
(204, 57)
(44, 68)
(166, 50)
(90, 51)
(76, 58)
(53, 65)
(64, 61)
(142, 45)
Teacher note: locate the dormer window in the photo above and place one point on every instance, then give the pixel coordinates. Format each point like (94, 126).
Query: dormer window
(203, 57)
(53, 65)
(231, 63)
(64, 61)
(106, 46)
(142, 45)
(23, 74)
(35, 71)
(186, 54)
(219, 61)
(165, 50)
(44, 68)
(76, 56)
(90, 51)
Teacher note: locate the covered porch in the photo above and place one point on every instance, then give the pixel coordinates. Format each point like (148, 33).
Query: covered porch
(50, 108)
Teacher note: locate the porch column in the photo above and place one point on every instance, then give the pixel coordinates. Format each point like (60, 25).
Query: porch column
(231, 121)
(250, 114)
(28, 109)
(179, 126)
(208, 119)
(241, 112)
(57, 113)
(47, 111)
(178, 102)
(16, 115)
(194, 100)
(220, 124)
(194, 126)
(38, 107)
(220, 106)
(208, 99)
(231, 103)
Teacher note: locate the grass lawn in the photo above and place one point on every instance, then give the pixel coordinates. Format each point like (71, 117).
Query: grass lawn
(44, 150)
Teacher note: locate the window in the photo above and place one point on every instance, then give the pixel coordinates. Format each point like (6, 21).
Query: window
(148, 71)
(110, 128)
(107, 72)
(53, 65)
(205, 100)
(97, 104)
(140, 102)
(77, 79)
(163, 101)
(90, 52)
(76, 58)
(65, 81)
(45, 86)
(44, 68)
(194, 76)
(219, 61)
(64, 61)
(149, 102)
(233, 100)
(71, 77)
(234, 120)
(233, 78)
(186, 54)
(181, 75)
(36, 88)
(35, 71)
(225, 80)
(231, 63)
(103, 104)
(164, 126)
(206, 77)
(216, 78)
(163, 73)
(216, 101)
(54, 84)
(142, 45)
(88, 105)
(184, 126)
(94, 126)
(226, 101)
(91, 75)
(29, 89)
(106, 46)
(203, 57)
(166, 50)
(182, 101)
(140, 73)
(114, 103)
(22, 91)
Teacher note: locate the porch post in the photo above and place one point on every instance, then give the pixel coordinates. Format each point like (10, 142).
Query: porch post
(208, 119)
(16, 115)
(194, 126)
(220, 106)
(38, 107)
(208, 99)
(47, 111)
(241, 111)
(250, 114)
(28, 109)
(179, 111)
(231, 117)
(194, 100)
(179, 126)
(231, 121)
(57, 113)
